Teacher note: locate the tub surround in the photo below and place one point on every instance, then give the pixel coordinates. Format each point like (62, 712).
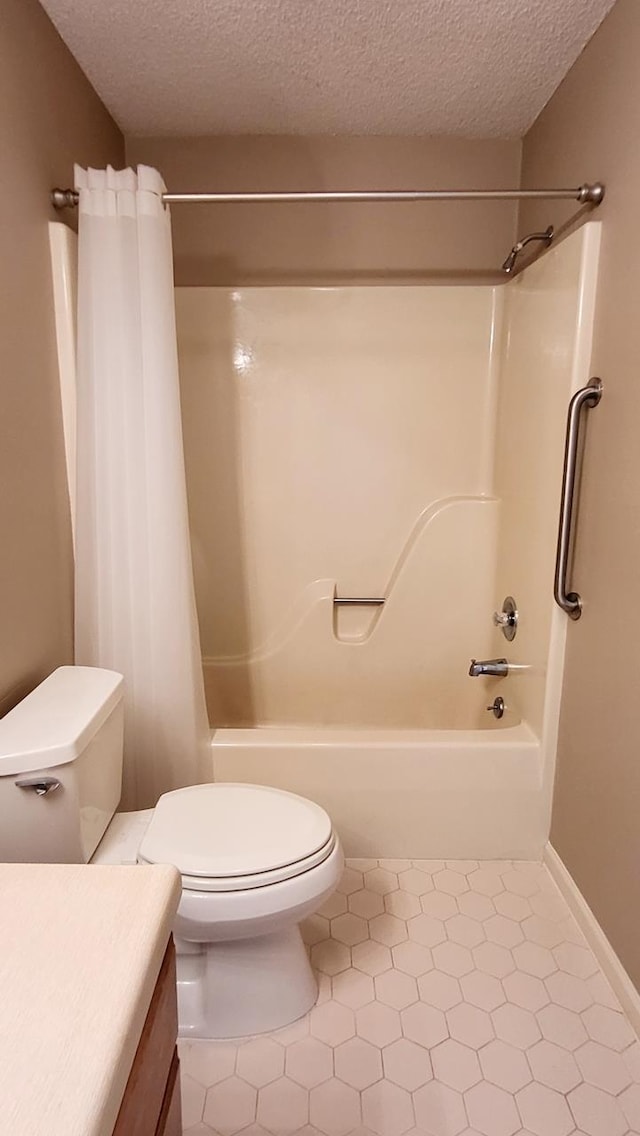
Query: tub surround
(381, 442)
(397, 443)
(82, 950)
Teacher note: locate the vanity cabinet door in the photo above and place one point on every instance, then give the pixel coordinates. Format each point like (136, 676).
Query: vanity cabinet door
(152, 1094)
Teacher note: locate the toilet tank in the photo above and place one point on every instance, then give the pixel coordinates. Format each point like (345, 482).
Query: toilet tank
(61, 767)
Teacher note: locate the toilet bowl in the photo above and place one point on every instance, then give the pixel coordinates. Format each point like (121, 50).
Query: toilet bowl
(254, 860)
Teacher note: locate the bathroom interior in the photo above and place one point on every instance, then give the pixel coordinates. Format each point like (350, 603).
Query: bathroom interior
(318, 736)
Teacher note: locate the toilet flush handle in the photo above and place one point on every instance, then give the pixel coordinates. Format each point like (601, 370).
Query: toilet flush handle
(40, 785)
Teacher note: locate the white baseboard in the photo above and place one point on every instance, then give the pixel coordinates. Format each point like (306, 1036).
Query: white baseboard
(623, 987)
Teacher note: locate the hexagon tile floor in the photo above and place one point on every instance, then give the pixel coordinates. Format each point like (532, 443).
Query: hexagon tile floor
(455, 998)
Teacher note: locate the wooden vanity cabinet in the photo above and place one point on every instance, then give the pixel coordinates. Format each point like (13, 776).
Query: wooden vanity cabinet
(151, 1102)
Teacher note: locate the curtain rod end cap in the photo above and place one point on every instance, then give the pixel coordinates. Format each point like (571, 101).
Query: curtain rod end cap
(64, 198)
(591, 194)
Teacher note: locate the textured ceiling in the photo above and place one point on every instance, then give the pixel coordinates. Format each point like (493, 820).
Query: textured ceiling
(482, 68)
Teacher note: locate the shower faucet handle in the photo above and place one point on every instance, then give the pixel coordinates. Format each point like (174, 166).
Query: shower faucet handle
(507, 619)
(502, 619)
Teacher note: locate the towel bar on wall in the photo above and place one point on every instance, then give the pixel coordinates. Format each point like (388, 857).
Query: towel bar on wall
(589, 396)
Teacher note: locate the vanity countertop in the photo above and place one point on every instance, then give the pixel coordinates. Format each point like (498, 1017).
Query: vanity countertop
(80, 951)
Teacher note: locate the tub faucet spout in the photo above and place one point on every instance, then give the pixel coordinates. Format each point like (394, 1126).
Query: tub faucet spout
(499, 668)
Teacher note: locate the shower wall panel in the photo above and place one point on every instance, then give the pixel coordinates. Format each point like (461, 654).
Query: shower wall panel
(548, 320)
(341, 440)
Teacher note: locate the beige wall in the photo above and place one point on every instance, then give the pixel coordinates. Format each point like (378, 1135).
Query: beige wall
(590, 129)
(49, 118)
(280, 244)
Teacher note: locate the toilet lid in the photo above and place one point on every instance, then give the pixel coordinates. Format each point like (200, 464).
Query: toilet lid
(224, 833)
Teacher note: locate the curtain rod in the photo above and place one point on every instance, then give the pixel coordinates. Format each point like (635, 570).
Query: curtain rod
(587, 194)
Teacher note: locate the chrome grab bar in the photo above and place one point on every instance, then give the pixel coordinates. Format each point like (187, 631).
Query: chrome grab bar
(358, 601)
(589, 396)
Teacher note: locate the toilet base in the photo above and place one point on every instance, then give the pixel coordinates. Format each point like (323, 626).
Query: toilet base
(241, 987)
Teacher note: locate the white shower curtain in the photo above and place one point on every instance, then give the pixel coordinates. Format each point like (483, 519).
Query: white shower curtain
(135, 608)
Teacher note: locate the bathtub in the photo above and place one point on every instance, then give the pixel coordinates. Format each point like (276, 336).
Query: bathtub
(419, 794)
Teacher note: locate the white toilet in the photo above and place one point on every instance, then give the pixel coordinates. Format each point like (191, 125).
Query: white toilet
(254, 860)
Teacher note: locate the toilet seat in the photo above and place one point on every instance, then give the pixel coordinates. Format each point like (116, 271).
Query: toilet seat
(235, 837)
(258, 879)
